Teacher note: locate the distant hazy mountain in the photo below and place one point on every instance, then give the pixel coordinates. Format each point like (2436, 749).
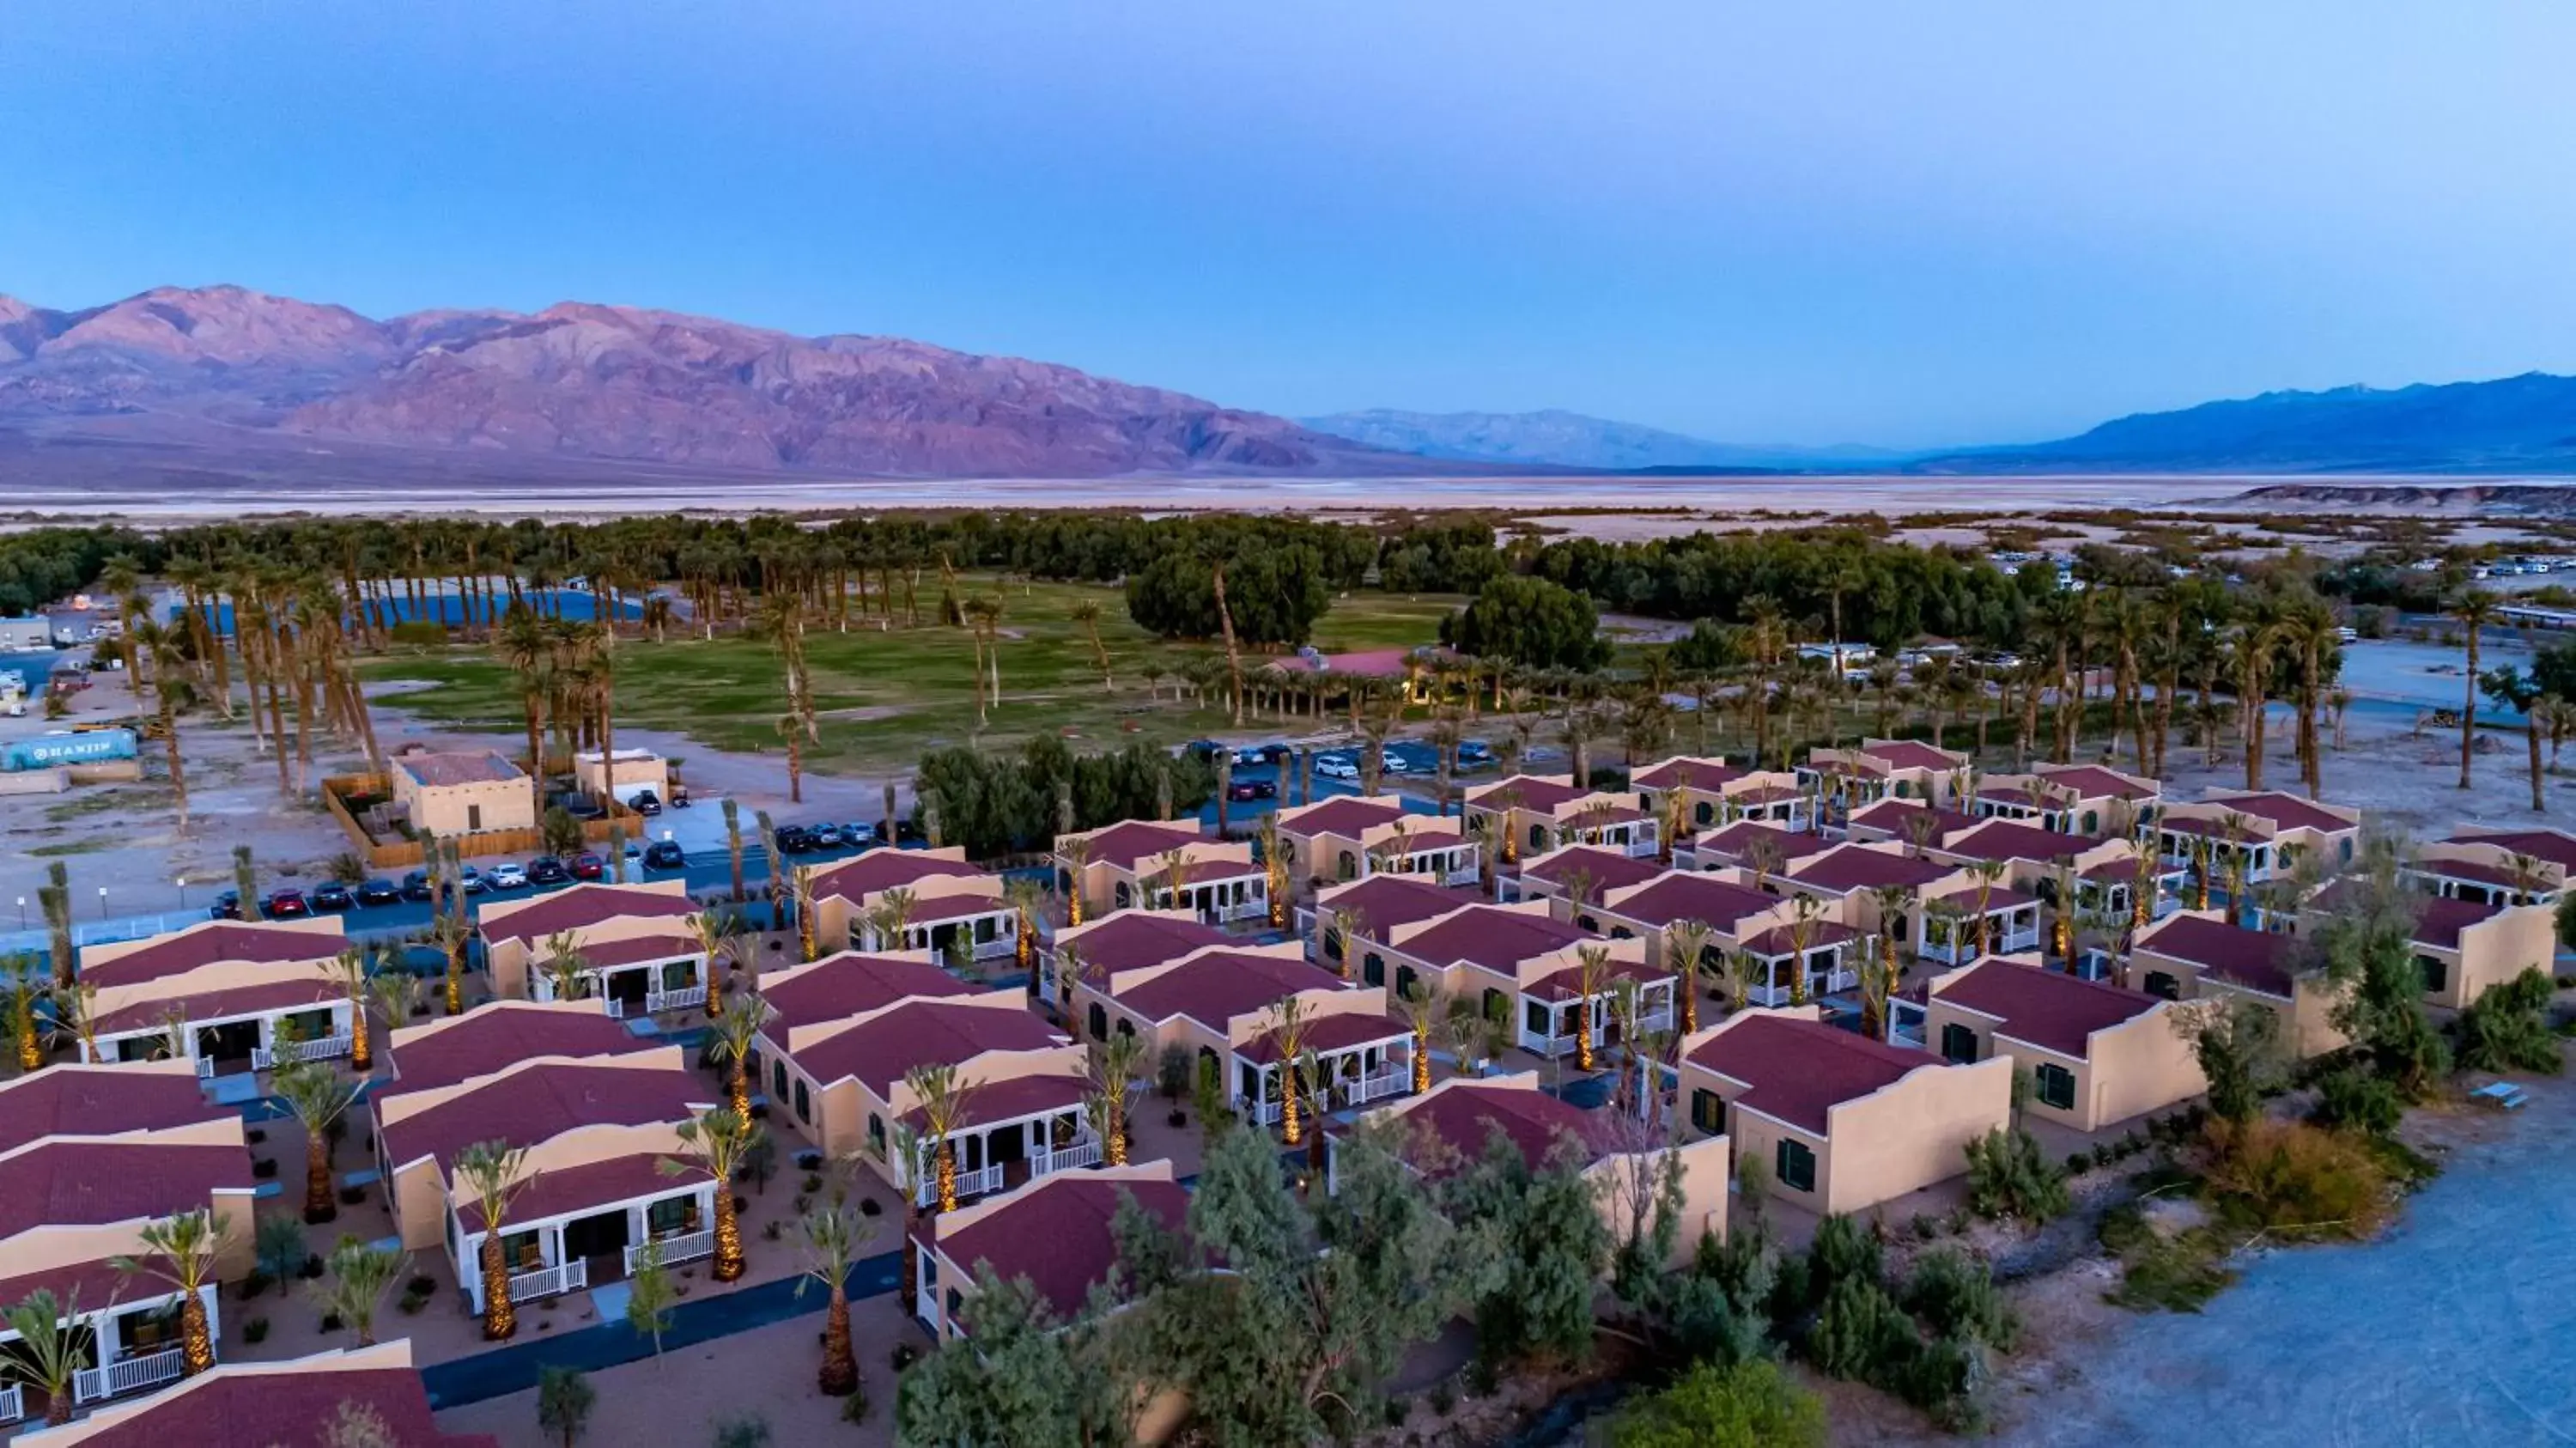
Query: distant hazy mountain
(2512, 424)
(1556, 438)
(222, 371)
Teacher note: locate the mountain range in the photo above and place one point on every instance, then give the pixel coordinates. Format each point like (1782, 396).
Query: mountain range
(185, 386)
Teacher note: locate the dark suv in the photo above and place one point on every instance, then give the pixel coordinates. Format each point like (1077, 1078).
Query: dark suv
(547, 870)
(664, 855)
(378, 892)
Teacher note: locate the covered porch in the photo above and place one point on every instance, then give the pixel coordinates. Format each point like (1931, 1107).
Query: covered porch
(1778, 959)
(987, 928)
(1444, 860)
(1950, 938)
(576, 1244)
(1019, 1129)
(648, 984)
(1554, 1010)
(1631, 832)
(1362, 1059)
(1218, 897)
(236, 1042)
(129, 1347)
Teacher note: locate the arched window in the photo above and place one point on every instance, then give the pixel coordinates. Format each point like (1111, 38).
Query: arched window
(1904, 789)
(1126, 1027)
(778, 1078)
(1538, 838)
(1064, 882)
(1706, 813)
(876, 1134)
(1622, 932)
(1405, 980)
(2159, 983)
(1123, 895)
(1099, 1022)
(2092, 821)
(1347, 866)
(804, 1105)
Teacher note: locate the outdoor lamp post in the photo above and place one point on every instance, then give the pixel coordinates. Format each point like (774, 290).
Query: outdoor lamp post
(22, 912)
(182, 883)
(102, 902)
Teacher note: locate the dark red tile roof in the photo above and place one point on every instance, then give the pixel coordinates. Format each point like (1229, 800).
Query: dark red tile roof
(1344, 815)
(1688, 774)
(1799, 1070)
(588, 1186)
(1782, 939)
(1609, 869)
(1131, 938)
(838, 987)
(1463, 1117)
(280, 1410)
(224, 942)
(878, 1051)
(500, 1034)
(2439, 921)
(2556, 846)
(1214, 988)
(543, 1100)
(1537, 792)
(1129, 841)
(1567, 984)
(2468, 870)
(1849, 867)
(70, 1100)
(2014, 840)
(2253, 958)
(61, 1183)
(232, 1001)
(2287, 811)
(1011, 1098)
(938, 908)
(1738, 837)
(1686, 896)
(634, 950)
(2051, 1010)
(1892, 815)
(2093, 782)
(94, 1283)
(1491, 936)
(1909, 754)
(1385, 902)
(1057, 1233)
(581, 906)
(864, 875)
(1337, 1032)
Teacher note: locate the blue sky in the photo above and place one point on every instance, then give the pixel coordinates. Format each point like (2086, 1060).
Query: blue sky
(1871, 221)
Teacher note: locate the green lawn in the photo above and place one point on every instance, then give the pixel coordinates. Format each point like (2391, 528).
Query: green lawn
(885, 697)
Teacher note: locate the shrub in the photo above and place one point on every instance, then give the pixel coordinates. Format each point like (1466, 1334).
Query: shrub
(352, 1196)
(1844, 1251)
(771, 1232)
(2354, 1098)
(854, 1408)
(2078, 1163)
(2507, 1029)
(813, 1183)
(426, 633)
(2296, 1180)
(255, 1284)
(1748, 1404)
(255, 1330)
(2007, 1177)
(1955, 1296)
(1861, 1333)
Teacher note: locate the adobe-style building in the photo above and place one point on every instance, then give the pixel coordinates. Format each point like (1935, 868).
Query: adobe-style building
(1716, 794)
(2268, 829)
(1905, 769)
(1592, 868)
(1130, 864)
(1226, 1004)
(1842, 1122)
(637, 771)
(90, 1156)
(1446, 1130)
(1374, 908)
(221, 992)
(2466, 948)
(1531, 814)
(1055, 1231)
(638, 949)
(844, 1082)
(593, 1191)
(2096, 1054)
(2199, 954)
(1520, 962)
(497, 1035)
(1753, 845)
(1850, 877)
(271, 1405)
(949, 900)
(2493, 866)
(1905, 822)
(2074, 799)
(1351, 837)
(467, 793)
(1770, 928)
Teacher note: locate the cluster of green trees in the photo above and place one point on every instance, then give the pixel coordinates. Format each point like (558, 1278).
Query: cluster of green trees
(1529, 622)
(1267, 596)
(997, 803)
(44, 564)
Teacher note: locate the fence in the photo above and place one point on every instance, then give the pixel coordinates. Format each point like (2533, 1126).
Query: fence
(401, 854)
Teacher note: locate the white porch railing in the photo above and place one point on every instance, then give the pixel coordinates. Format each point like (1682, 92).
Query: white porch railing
(129, 1375)
(614, 1008)
(205, 1068)
(686, 1247)
(2165, 905)
(1248, 910)
(13, 1404)
(262, 1059)
(1264, 1112)
(325, 1048)
(1085, 1152)
(1640, 848)
(2014, 941)
(550, 1281)
(1467, 876)
(1545, 1045)
(1660, 1019)
(969, 1183)
(687, 997)
(1384, 1081)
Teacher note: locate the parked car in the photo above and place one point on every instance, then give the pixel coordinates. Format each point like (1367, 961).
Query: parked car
(1336, 766)
(588, 866)
(285, 905)
(227, 906)
(1251, 754)
(473, 881)
(1249, 789)
(378, 892)
(646, 803)
(863, 835)
(795, 840)
(1390, 762)
(415, 886)
(507, 877)
(1474, 754)
(333, 897)
(547, 870)
(826, 836)
(664, 855)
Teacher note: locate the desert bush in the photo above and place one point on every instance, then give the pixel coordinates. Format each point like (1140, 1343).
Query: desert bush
(2507, 1029)
(1955, 1295)
(2007, 1177)
(2296, 1180)
(2353, 1098)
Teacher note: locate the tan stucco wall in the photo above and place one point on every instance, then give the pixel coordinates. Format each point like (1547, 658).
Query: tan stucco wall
(510, 961)
(2497, 949)
(449, 809)
(634, 776)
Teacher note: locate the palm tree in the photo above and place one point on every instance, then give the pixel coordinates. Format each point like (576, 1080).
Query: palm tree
(1075, 855)
(1274, 864)
(181, 1251)
(888, 918)
(721, 948)
(1289, 1033)
(943, 1096)
(316, 1096)
(1686, 944)
(27, 987)
(1087, 613)
(360, 1275)
(76, 1019)
(1028, 899)
(565, 965)
(1113, 1073)
(834, 1233)
(492, 1172)
(1744, 970)
(1988, 873)
(791, 728)
(730, 1040)
(51, 1347)
(164, 644)
(450, 933)
(801, 890)
(1421, 1010)
(715, 1144)
(2474, 609)
(1591, 972)
(733, 843)
(348, 970)
(527, 645)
